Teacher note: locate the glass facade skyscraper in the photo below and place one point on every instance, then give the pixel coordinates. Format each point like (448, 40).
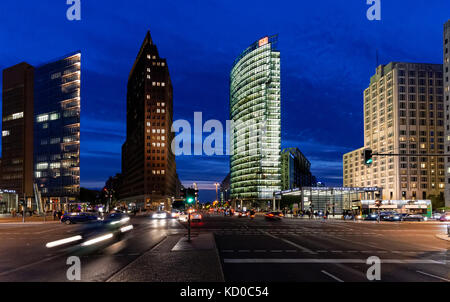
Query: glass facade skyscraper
(57, 129)
(255, 113)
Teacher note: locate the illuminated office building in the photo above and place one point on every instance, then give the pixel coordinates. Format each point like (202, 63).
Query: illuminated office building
(447, 105)
(148, 164)
(17, 130)
(255, 112)
(295, 170)
(403, 114)
(57, 129)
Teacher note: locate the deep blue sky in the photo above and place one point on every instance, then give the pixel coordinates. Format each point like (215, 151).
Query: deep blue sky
(327, 57)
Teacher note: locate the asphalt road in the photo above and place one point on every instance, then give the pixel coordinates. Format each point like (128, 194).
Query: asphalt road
(329, 251)
(249, 250)
(24, 256)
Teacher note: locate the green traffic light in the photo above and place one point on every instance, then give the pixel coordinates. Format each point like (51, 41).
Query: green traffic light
(190, 200)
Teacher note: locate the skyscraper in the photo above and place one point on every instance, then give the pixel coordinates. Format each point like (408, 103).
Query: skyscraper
(17, 130)
(57, 129)
(403, 114)
(148, 164)
(446, 67)
(255, 112)
(295, 170)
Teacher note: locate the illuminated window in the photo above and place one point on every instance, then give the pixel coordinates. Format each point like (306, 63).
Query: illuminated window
(18, 115)
(54, 116)
(5, 133)
(42, 118)
(55, 165)
(41, 166)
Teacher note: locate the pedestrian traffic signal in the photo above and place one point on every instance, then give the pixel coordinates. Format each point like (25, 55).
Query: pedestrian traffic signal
(368, 157)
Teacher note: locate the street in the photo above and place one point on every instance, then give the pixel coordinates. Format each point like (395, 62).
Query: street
(233, 249)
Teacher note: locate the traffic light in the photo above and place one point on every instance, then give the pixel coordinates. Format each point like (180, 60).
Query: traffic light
(378, 203)
(190, 195)
(368, 157)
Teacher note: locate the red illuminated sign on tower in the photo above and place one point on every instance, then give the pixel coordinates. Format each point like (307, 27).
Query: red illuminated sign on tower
(263, 41)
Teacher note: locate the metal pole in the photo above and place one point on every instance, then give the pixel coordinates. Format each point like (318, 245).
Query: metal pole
(23, 208)
(189, 225)
(378, 214)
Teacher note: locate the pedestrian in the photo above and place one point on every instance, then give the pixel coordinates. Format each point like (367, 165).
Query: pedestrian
(54, 214)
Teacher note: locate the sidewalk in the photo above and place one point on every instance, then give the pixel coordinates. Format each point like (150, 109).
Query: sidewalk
(28, 220)
(176, 260)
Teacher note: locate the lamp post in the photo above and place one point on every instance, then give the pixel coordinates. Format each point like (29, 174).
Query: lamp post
(217, 194)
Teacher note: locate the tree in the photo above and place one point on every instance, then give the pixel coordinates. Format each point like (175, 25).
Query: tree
(91, 196)
(437, 201)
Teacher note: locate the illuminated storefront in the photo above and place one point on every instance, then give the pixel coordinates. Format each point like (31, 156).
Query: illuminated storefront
(255, 112)
(336, 200)
(8, 201)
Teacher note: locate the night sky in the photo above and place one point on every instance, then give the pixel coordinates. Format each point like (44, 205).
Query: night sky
(328, 53)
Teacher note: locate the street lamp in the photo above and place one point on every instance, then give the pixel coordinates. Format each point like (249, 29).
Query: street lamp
(217, 196)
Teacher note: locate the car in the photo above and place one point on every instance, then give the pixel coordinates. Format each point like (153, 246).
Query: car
(413, 217)
(392, 217)
(445, 217)
(78, 217)
(371, 216)
(196, 217)
(436, 216)
(175, 213)
(98, 232)
(113, 226)
(274, 215)
(243, 214)
(160, 215)
(183, 217)
(386, 216)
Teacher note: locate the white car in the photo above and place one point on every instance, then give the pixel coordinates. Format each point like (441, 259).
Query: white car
(195, 217)
(183, 217)
(159, 215)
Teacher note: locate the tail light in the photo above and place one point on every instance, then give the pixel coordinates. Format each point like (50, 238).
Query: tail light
(281, 215)
(270, 215)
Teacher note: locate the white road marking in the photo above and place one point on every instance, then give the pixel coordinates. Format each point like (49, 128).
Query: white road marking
(290, 242)
(332, 276)
(339, 261)
(430, 275)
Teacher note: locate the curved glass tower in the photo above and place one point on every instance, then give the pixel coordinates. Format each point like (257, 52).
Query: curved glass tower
(255, 113)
